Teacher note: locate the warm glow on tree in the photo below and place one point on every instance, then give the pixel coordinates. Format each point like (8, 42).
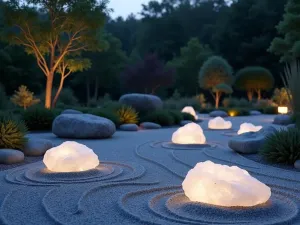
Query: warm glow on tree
(24, 98)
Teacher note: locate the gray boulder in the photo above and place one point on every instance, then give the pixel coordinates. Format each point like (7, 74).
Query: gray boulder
(250, 142)
(283, 120)
(149, 125)
(291, 126)
(185, 122)
(297, 164)
(255, 113)
(11, 156)
(82, 126)
(71, 111)
(142, 102)
(217, 113)
(37, 146)
(129, 127)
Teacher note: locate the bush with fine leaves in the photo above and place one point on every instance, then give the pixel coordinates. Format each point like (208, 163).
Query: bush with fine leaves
(161, 117)
(108, 114)
(282, 147)
(177, 116)
(187, 116)
(39, 118)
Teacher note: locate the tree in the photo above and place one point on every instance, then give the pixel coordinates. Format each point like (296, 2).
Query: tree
(254, 79)
(215, 71)
(187, 65)
(147, 75)
(24, 98)
(288, 46)
(54, 32)
(219, 89)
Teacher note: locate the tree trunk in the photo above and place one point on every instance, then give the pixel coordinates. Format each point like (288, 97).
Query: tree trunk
(49, 85)
(250, 95)
(96, 89)
(217, 99)
(87, 90)
(258, 94)
(61, 84)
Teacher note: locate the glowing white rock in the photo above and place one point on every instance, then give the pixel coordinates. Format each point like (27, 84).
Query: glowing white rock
(70, 156)
(219, 123)
(222, 185)
(190, 133)
(190, 110)
(248, 127)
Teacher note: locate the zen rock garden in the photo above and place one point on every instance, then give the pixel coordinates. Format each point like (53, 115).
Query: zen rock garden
(176, 116)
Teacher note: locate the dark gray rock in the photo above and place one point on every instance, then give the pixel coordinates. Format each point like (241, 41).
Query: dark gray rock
(217, 113)
(37, 146)
(250, 142)
(142, 102)
(185, 122)
(129, 127)
(71, 111)
(297, 164)
(283, 120)
(11, 156)
(82, 126)
(255, 113)
(150, 125)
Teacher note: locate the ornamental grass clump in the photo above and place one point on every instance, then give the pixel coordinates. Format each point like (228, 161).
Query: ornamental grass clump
(127, 115)
(282, 146)
(12, 132)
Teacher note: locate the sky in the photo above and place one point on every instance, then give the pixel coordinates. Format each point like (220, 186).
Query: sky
(125, 7)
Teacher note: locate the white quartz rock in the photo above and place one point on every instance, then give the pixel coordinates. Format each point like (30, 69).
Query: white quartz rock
(248, 127)
(223, 185)
(190, 133)
(70, 156)
(219, 123)
(190, 110)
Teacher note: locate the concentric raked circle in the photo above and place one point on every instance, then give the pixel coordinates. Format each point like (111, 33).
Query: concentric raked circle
(171, 145)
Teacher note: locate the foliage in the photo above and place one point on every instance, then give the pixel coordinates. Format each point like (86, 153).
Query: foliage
(254, 79)
(291, 80)
(67, 97)
(187, 116)
(263, 103)
(177, 116)
(179, 104)
(54, 35)
(288, 46)
(39, 118)
(108, 114)
(3, 98)
(202, 100)
(12, 132)
(216, 76)
(187, 65)
(235, 102)
(176, 95)
(147, 76)
(24, 98)
(238, 112)
(282, 147)
(270, 110)
(127, 114)
(281, 97)
(161, 117)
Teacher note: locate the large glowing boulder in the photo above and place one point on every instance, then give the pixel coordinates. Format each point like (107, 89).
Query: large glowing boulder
(219, 123)
(223, 185)
(190, 110)
(70, 156)
(248, 127)
(190, 133)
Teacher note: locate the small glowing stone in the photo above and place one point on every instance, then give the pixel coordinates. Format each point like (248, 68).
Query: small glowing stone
(248, 127)
(282, 110)
(70, 156)
(190, 133)
(219, 123)
(190, 110)
(223, 185)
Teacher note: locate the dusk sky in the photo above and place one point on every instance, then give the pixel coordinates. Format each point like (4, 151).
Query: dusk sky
(125, 7)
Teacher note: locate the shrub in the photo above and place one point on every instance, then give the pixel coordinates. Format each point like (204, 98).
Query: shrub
(280, 97)
(177, 116)
(201, 99)
(67, 97)
(282, 147)
(179, 104)
(161, 117)
(12, 132)
(263, 103)
(39, 118)
(270, 110)
(24, 98)
(235, 102)
(238, 112)
(112, 105)
(108, 114)
(127, 114)
(3, 98)
(187, 116)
